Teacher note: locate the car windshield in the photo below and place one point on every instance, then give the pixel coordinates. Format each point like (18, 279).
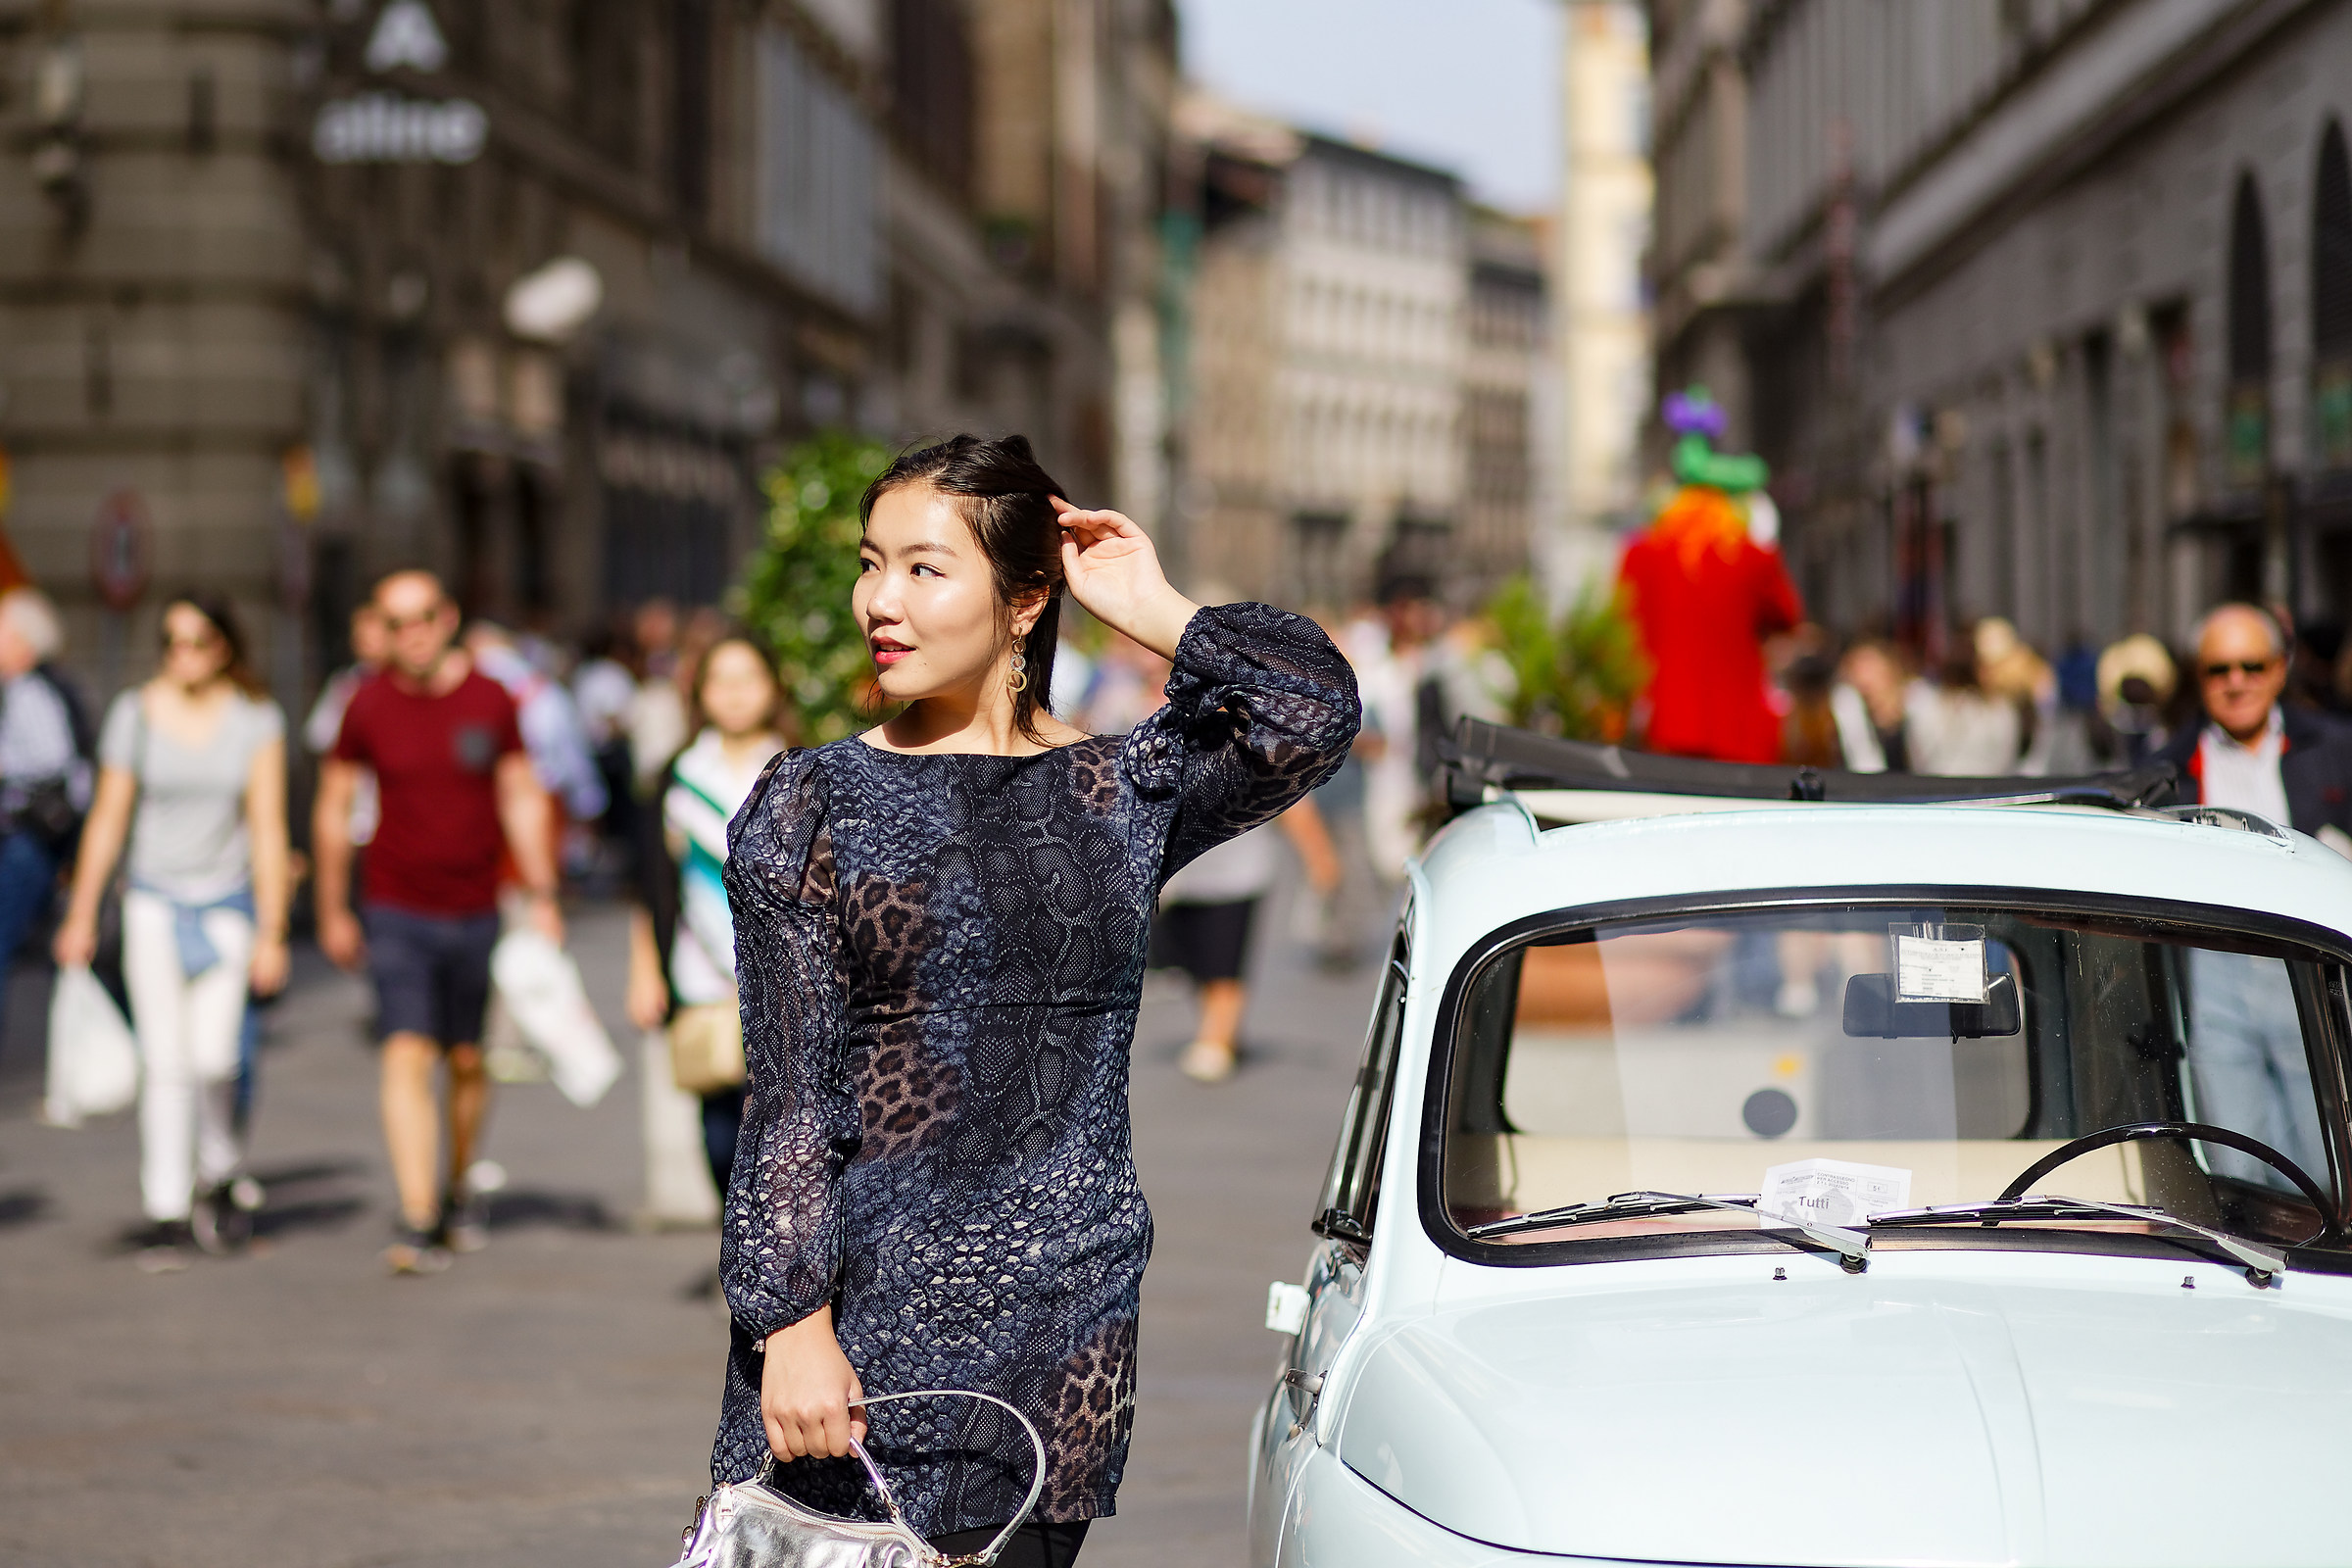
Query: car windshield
(1840, 1059)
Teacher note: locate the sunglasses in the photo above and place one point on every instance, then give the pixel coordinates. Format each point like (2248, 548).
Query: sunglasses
(396, 624)
(2243, 666)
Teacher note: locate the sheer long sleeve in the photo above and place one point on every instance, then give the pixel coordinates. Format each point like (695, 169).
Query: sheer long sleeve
(1261, 709)
(780, 1245)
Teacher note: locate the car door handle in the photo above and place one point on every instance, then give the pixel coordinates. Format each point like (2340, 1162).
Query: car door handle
(1309, 1384)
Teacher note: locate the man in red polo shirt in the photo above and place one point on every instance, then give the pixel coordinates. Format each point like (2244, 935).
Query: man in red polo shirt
(455, 787)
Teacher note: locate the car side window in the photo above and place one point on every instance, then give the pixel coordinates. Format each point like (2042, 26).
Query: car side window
(1351, 1190)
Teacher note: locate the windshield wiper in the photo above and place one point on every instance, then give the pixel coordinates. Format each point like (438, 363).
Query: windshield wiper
(1852, 1247)
(2261, 1262)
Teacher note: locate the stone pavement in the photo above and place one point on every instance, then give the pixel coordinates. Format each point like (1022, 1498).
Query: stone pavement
(550, 1400)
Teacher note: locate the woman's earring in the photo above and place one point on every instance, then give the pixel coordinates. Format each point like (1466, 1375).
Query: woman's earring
(1020, 665)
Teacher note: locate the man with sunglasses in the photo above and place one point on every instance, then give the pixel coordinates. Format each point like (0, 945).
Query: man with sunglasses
(2251, 752)
(455, 787)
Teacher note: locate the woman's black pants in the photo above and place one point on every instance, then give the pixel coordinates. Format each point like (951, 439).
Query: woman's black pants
(1033, 1546)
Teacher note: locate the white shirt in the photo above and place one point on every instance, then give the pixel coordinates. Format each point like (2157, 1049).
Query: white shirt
(36, 733)
(2246, 777)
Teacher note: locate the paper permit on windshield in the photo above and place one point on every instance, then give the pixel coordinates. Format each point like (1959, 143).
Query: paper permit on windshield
(1832, 1192)
(1947, 966)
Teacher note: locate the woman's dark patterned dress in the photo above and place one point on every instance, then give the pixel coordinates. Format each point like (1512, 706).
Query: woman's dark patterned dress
(940, 958)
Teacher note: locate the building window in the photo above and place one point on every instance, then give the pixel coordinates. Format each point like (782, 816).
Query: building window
(1319, 543)
(931, 96)
(2248, 422)
(606, 48)
(818, 178)
(690, 105)
(2331, 302)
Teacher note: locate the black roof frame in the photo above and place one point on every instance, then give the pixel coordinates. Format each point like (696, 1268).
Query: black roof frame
(1479, 755)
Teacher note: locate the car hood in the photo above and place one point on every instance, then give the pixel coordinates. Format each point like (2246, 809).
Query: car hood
(1873, 1420)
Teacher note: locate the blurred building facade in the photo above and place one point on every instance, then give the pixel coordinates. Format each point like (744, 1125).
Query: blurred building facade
(290, 293)
(2061, 332)
(1602, 319)
(1507, 388)
(1358, 341)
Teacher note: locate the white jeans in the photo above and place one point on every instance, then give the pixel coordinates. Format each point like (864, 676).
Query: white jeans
(188, 1030)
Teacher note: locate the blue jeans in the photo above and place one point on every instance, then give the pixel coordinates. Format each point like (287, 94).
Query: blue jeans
(2246, 1057)
(28, 878)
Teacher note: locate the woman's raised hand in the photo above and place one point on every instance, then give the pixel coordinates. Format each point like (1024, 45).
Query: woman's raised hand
(1114, 574)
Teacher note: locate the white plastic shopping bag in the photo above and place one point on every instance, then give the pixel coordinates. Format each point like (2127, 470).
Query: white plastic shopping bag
(543, 991)
(93, 1060)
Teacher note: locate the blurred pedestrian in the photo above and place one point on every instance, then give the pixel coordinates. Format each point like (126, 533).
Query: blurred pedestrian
(2292, 767)
(656, 714)
(1123, 688)
(2137, 679)
(1868, 703)
(602, 688)
(1954, 728)
(552, 728)
(2249, 749)
(682, 932)
(45, 771)
(552, 734)
(319, 731)
(1392, 661)
(457, 786)
(1808, 674)
(2053, 701)
(192, 801)
(1205, 914)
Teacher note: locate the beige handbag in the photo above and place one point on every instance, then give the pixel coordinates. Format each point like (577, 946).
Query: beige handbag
(705, 1047)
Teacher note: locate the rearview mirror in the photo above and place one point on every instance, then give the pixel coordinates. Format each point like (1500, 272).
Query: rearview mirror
(1871, 1010)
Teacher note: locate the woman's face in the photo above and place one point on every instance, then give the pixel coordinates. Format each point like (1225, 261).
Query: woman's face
(926, 598)
(737, 696)
(193, 650)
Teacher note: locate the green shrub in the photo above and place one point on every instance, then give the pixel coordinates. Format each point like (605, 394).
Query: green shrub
(1576, 674)
(795, 590)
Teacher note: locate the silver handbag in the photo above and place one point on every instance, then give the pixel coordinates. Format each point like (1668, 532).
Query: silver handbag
(751, 1525)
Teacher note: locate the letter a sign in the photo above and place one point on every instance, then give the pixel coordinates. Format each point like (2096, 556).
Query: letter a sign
(406, 35)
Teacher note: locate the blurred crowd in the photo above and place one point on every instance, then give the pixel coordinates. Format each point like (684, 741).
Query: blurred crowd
(171, 825)
(1988, 704)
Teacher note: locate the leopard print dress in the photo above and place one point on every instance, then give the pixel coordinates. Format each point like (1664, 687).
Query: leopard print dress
(940, 959)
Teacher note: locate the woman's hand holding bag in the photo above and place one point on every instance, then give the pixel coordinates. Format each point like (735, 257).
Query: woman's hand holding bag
(810, 1398)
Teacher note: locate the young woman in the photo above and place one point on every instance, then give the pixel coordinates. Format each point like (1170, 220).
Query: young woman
(940, 930)
(682, 934)
(192, 770)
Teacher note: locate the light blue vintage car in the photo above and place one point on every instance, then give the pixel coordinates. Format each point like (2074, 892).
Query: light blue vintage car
(1756, 1181)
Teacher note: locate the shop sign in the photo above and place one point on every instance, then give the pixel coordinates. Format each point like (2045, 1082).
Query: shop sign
(385, 127)
(121, 549)
(406, 35)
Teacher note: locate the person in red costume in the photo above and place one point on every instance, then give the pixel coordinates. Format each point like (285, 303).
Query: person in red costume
(1705, 594)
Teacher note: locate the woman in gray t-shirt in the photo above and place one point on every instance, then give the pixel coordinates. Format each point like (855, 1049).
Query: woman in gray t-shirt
(192, 777)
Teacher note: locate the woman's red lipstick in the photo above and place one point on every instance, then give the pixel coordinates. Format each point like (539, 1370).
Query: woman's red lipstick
(888, 653)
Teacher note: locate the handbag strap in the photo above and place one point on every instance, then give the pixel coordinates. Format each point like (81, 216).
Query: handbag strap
(1037, 1480)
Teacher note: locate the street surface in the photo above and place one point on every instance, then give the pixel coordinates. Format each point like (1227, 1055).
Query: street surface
(550, 1400)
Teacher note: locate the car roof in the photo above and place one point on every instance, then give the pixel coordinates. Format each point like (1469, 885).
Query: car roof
(1497, 863)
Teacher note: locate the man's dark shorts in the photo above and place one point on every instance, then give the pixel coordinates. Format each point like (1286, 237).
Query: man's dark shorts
(432, 973)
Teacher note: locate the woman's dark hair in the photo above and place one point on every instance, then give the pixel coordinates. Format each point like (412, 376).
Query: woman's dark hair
(779, 713)
(222, 619)
(1007, 503)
